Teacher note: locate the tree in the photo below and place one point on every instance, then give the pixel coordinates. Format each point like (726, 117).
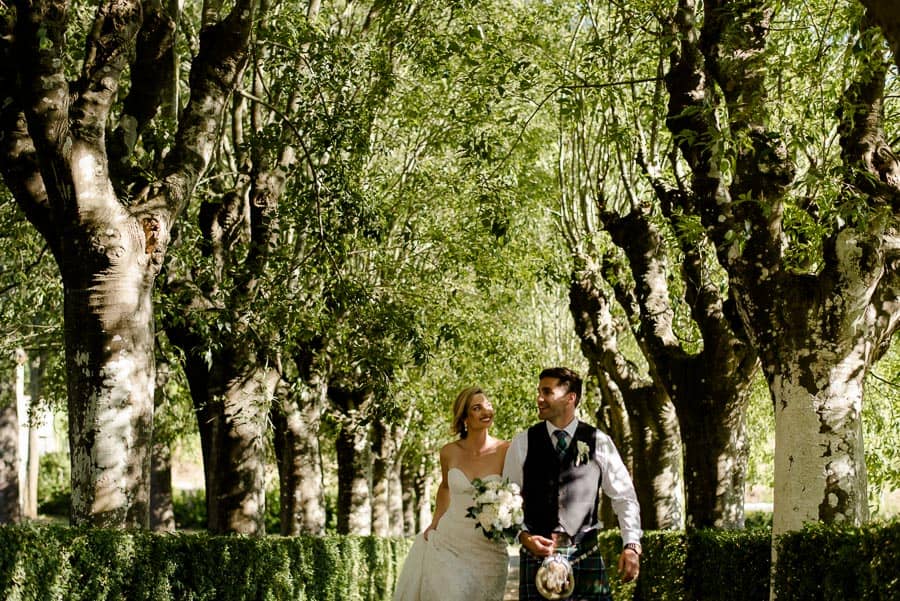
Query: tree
(642, 270)
(803, 226)
(108, 228)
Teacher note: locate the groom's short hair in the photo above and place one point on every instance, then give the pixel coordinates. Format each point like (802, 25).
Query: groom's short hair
(565, 376)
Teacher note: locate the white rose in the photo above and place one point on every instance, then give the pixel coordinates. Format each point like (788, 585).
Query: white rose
(487, 497)
(487, 517)
(504, 517)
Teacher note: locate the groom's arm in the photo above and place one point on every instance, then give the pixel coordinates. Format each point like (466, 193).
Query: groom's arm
(617, 485)
(512, 469)
(515, 458)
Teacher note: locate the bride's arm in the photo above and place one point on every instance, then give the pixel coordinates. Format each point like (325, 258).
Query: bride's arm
(443, 492)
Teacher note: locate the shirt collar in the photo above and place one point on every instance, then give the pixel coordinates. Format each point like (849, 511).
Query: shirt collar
(570, 429)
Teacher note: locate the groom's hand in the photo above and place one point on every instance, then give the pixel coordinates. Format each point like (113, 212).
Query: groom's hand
(537, 545)
(629, 565)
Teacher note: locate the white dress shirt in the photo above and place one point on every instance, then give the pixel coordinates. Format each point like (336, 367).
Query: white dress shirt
(615, 481)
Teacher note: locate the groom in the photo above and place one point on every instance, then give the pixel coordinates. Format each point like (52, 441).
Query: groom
(561, 464)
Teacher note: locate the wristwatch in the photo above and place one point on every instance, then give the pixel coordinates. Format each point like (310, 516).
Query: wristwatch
(636, 547)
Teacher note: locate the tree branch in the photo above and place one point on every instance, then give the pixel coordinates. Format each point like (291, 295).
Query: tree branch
(18, 158)
(39, 44)
(645, 248)
(152, 80)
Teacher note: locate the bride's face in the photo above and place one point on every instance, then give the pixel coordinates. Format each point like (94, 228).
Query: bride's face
(480, 413)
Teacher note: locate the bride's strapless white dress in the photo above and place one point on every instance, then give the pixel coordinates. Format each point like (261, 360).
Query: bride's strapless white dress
(457, 562)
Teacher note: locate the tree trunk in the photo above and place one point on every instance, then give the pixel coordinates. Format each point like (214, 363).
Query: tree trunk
(821, 474)
(295, 422)
(231, 400)
(162, 509)
(354, 475)
(817, 332)
(636, 413)
(109, 248)
(231, 392)
(9, 450)
(395, 500)
(36, 363)
(382, 450)
(713, 431)
(387, 504)
(111, 369)
(408, 477)
(424, 496)
(354, 457)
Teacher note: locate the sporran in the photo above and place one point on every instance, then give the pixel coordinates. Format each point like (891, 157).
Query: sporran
(555, 578)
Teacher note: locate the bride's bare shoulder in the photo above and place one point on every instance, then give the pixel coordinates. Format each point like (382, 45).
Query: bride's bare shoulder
(451, 449)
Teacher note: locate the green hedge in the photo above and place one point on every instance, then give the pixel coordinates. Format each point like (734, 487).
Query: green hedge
(825, 563)
(712, 565)
(820, 563)
(50, 563)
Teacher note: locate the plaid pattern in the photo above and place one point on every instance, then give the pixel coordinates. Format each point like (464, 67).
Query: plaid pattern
(591, 582)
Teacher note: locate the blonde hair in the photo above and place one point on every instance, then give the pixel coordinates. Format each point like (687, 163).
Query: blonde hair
(461, 409)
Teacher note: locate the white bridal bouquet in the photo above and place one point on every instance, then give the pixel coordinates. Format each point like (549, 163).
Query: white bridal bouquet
(497, 509)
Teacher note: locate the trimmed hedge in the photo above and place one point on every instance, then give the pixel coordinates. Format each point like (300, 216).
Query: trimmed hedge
(825, 563)
(820, 563)
(706, 565)
(46, 563)
(58, 563)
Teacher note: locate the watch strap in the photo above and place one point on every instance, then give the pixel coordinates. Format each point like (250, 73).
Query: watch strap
(636, 547)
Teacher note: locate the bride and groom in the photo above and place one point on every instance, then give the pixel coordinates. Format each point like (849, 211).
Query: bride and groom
(560, 464)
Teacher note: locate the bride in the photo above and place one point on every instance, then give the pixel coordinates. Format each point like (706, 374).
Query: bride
(452, 560)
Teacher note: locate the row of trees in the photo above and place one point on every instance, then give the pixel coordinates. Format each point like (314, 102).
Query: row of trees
(331, 257)
(340, 212)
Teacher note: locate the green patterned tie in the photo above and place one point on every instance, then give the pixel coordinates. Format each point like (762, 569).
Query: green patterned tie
(562, 442)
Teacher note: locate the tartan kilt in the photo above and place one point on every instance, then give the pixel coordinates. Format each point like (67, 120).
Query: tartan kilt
(591, 582)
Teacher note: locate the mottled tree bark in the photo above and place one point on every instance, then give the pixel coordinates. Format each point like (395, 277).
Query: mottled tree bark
(408, 476)
(295, 422)
(9, 449)
(383, 449)
(635, 413)
(162, 508)
(396, 515)
(354, 503)
(354, 457)
(231, 398)
(108, 239)
(387, 512)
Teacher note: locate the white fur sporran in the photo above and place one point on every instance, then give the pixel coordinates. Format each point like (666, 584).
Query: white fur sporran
(555, 578)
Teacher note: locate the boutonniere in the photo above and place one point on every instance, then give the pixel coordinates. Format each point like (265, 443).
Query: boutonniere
(584, 453)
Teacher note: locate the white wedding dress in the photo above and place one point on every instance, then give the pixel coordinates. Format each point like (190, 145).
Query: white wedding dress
(457, 562)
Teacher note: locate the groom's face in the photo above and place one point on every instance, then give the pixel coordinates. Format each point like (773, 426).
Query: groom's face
(555, 403)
